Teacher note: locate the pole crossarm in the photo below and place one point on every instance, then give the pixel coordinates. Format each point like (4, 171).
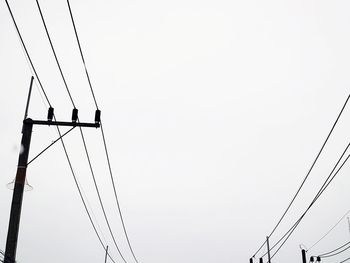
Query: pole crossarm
(63, 123)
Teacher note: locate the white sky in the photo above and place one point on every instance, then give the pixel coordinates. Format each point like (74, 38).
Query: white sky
(213, 112)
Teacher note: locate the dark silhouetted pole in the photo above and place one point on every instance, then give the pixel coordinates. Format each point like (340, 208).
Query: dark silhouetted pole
(268, 249)
(303, 255)
(17, 197)
(106, 254)
(251, 260)
(16, 205)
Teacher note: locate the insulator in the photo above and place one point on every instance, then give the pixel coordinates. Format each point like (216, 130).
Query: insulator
(97, 116)
(318, 259)
(312, 259)
(261, 260)
(75, 115)
(50, 114)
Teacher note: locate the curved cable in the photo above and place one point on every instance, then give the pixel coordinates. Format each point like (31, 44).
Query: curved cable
(59, 132)
(82, 136)
(54, 53)
(344, 260)
(334, 250)
(26, 52)
(103, 135)
(308, 173)
(329, 231)
(329, 179)
(99, 195)
(81, 54)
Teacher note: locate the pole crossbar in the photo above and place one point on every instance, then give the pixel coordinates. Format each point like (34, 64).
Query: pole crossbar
(63, 123)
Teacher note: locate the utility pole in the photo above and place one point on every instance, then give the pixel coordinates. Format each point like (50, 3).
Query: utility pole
(106, 254)
(268, 249)
(303, 255)
(17, 197)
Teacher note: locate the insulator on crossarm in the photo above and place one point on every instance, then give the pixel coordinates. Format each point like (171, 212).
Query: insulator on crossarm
(75, 115)
(97, 116)
(50, 114)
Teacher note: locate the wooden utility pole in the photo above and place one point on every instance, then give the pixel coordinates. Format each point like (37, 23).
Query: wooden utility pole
(268, 249)
(17, 197)
(303, 255)
(106, 254)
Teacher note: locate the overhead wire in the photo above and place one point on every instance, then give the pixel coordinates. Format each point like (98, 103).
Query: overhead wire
(334, 250)
(329, 231)
(103, 134)
(325, 185)
(82, 136)
(307, 175)
(58, 130)
(26, 52)
(344, 260)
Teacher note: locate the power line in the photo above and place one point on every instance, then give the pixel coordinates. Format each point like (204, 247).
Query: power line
(344, 260)
(82, 134)
(102, 132)
(99, 195)
(334, 250)
(81, 54)
(329, 231)
(54, 53)
(329, 179)
(26, 52)
(308, 173)
(58, 130)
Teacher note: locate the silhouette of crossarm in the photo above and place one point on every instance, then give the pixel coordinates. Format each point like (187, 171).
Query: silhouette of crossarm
(62, 123)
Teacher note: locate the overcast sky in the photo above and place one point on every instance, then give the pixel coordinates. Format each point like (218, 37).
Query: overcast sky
(213, 112)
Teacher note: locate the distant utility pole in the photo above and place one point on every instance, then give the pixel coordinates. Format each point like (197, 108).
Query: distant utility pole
(303, 255)
(268, 249)
(16, 205)
(106, 254)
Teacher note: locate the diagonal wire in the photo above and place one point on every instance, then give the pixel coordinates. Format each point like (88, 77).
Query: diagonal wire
(58, 130)
(344, 260)
(329, 231)
(26, 52)
(54, 53)
(308, 173)
(50, 145)
(103, 135)
(325, 185)
(81, 54)
(324, 255)
(82, 136)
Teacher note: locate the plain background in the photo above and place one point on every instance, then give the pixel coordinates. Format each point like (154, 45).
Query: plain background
(213, 112)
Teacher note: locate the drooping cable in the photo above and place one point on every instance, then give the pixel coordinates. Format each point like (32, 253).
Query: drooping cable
(103, 134)
(344, 260)
(82, 136)
(325, 185)
(54, 53)
(99, 196)
(81, 54)
(329, 231)
(308, 173)
(81, 196)
(58, 130)
(323, 255)
(26, 52)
